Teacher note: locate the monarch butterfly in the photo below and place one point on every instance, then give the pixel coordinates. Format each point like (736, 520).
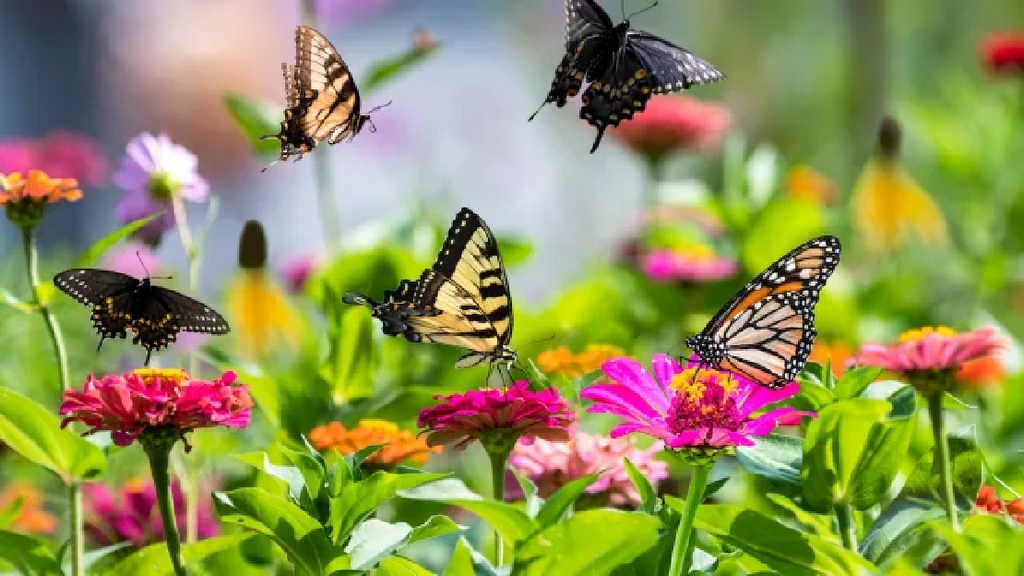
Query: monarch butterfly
(121, 303)
(323, 101)
(765, 331)
(462, 300)
(624, 66)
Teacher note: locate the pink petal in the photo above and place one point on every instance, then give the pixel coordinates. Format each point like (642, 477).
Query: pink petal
(761, 396)
(622, 397)
(768, 421)
(631, 374)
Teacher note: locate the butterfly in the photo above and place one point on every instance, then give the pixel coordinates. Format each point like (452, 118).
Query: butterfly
(462, 300)
(323, 101)
(153, 314)
(765, 332)
(625, 67)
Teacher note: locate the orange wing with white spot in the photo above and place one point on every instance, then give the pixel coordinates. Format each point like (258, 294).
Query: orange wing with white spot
(765, 332)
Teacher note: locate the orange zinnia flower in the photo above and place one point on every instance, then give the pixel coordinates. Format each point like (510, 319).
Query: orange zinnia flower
(806, 183)
(838, 352)
(31, 518)
(400, 445)
(980, 373)
(561, 360)
(26, 198)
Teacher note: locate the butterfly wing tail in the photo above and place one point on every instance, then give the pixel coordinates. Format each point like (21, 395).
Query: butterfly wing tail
(359, 299)
(597, 141)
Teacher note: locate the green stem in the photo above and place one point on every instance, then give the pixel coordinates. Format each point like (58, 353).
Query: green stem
(655, 175)
(681, 551)
(499, 461)
(76, 531)
(159, 462)
(329, 223)
(847, 530)
(942, 456)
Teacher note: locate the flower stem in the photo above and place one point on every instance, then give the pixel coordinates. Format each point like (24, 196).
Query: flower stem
(942, 456)
(681, 554)
(32, 264)
(159, 462)
(847, 531)
(655, 174)
(499, 461)
(76, 532)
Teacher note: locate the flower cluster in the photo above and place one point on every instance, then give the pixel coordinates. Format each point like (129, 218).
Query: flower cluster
(498, 418)
(551, 465)
(25, 196)
(31, 518)
(699, 410)
(561, 360)
(130, 514)
(676, 243)
(130, 404)
(60, 154)
(400, 445)
(988, 502)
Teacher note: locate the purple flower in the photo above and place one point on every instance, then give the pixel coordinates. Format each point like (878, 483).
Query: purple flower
(346, 10)
(704, 409)
(152, 171)
(131, 514)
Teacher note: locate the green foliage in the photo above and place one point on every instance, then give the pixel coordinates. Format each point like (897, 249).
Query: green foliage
(93, 253)
(27, 554)
(153, 559)
(967, 467)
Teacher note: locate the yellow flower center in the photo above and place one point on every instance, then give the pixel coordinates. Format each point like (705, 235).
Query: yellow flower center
(379, 426)
(166, 374)
(700, 252)
(693, 383)
(921, 333)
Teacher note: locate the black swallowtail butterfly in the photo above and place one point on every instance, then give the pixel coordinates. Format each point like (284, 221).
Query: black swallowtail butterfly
(625, 67)
(121, 303)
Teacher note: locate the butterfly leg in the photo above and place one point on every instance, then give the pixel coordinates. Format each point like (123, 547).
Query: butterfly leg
(100, 345)
(597, 140)
(149, 352)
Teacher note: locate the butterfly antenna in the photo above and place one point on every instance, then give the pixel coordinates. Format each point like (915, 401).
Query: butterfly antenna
(265, 168)
(539, 340)
(539, 108)
(141, 263)
(148, 354)
(642, 11)
(379, 107)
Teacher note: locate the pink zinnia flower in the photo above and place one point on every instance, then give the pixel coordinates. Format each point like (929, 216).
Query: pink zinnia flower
(672, 123)
(551, 465)
(148, 399)
(298, 269)
(135, 259)
(1004, 53)
(498, 418)
(153, 170)
(60, 154)
(703, 409)
(667, 265)
(131, 514)
(927, 355)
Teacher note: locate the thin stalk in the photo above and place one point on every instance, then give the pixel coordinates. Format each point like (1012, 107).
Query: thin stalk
(330, 225)
(942, 456)
(655, 176)
(681, 551)
(159, 466)
(499, 461)
(76, 530)
(847, 530)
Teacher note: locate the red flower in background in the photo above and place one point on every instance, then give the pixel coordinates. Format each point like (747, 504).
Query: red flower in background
(60, 154)
(1003, 53)
(673, 123)
(988, 502)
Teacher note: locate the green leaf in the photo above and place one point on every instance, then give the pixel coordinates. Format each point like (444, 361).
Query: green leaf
(350, 363)
(386, 69)
(854, 381)
(648, 496)
(781, 548)
(987, 544)
(356, 459)
(532, 501)
(154, 561)
(398, 566)
(27, 554)
(374, 540)
(593, 542)
(290, 475)
(775, 457)
(465, 561)
(833, 448)
(434, 527)
(311, 469)
(97, 250)
(34, 432)
(359, 499)
(563, 499)
(902, 532)
(255, 119)
(511, 523)
(296, 532)
(514, 251)
(783, 223)
(967, 469)
(8, 516)
(884, 450)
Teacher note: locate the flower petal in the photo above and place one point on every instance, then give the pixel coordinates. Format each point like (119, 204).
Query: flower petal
(768, 421)
(631, 374)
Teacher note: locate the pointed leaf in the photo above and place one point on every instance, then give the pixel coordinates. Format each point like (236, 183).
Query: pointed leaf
(255, 118)
(565, 497)
(593, 542)
(533, 502)
(884, 451)
(384, 70)
(775, 457)
(511, 523)
(902, 532)
(154, 561)
(93, 253)
(374, 540)
(465, 561)
(28, 555)
(648, 496)
(34, 432)
(434, 527)
(398, 566)
(359, 499)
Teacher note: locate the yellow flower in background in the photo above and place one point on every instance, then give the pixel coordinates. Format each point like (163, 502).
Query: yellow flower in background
(561, 360)
(258, 307)
(888, 205)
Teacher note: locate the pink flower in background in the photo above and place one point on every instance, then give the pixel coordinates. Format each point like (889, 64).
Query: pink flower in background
(498, 417)
(674, 123)
(929, 349)
(135, 259)
(666, 265)
(344, 11)
(60, 154)
(702, 409)
(297, 270)
(131, 514)
(154, 170)
(551, 465)
(127, 405)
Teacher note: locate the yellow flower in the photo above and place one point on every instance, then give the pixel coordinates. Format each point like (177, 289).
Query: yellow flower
(26, 198)
(888, 205)
(262, 312)
(561, 360)
(401, 444)
(916, 334)
(165, 374)
(694, 382)
(31, 518)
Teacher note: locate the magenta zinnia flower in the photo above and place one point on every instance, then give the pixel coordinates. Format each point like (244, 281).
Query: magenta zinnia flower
(151, 399)
(671, 123)
(131, 514)
(152, 172)
(498, 418)
(702, 410)
(298, 269)
(60, 154)
(551, 465)
(666, 265)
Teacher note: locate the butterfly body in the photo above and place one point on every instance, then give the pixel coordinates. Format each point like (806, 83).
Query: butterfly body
(625, 67)
(765, 332)
(323, 100)
(122, 303)
(462, 300)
